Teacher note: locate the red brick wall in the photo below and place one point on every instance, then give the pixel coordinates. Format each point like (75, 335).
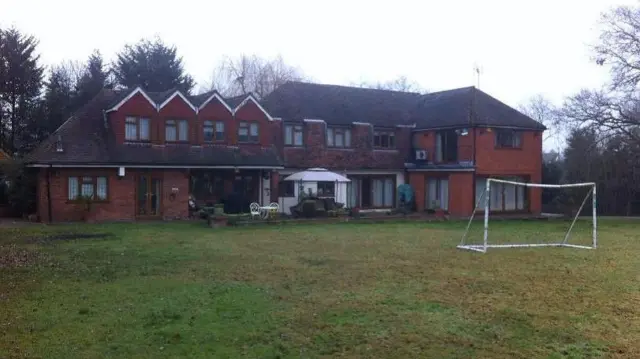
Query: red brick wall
(492, 160)
(252, 113)
(216, 111)
(361, 155)
(461, 195)
(525, 161)
(136, 106)
(121, 195)
(427, 140)
(176, 109)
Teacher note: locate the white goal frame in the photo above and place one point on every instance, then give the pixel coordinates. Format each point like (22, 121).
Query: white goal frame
(564, 243)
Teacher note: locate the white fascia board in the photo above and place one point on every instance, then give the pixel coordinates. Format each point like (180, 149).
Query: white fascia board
(217, 96)
(137, 90)
(251, 98)
(183, 97)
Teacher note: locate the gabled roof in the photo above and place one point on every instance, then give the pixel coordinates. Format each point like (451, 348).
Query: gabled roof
(296, 101)
(85, 140)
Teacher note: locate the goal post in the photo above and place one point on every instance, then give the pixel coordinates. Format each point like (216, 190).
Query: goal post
(485, 198)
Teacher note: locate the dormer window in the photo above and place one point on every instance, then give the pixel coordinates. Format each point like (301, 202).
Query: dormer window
(338, 137)
(384, 139)
(176, 130)
(248, 132)
(59, 144)
(136, 129)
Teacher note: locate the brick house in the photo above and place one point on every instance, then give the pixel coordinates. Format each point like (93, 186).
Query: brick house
(142, 154)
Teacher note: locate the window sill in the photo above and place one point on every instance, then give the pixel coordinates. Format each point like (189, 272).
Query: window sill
(137, 142)
(340, 148)
(177, 142)
(293, 146)
(74, 201)
(508, 148)
(381, 149)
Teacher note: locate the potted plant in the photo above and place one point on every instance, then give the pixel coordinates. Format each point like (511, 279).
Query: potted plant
(355, 212)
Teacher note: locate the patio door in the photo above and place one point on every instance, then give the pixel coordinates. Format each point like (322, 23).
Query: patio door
(149, 196)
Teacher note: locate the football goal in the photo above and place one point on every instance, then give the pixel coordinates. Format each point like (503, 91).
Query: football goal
(566, 198)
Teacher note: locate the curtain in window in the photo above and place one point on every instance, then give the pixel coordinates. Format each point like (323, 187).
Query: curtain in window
(207, 130)
(353, 189)
(170, 131)
(297, 137)
(388, 192)
(509, 197)
(432, 193)
(339, 139)
(439, 156)
(131, 129)
(219, 131)
(184, 130)
(520, 193)
(481, 185)
(144, 129)
(86, 190)
(253, 132)
(329, 137)
(377, 187)
(444, 194)
(73, 188)
(496, 196)
(347, 138)
(102, 187)
(288, 135)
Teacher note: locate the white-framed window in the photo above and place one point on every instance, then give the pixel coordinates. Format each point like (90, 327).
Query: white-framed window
(136, 129)
(293, 135)
(219, 131)
(95, 187)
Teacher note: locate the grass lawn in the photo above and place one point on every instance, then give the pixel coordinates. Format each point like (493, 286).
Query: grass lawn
(393, 290)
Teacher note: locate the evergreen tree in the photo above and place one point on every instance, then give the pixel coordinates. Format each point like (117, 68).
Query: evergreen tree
(59, 99)
(152, 65)
(21, 79)
(93, 79)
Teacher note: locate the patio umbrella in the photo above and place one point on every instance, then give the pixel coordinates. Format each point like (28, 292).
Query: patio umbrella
(317, 175)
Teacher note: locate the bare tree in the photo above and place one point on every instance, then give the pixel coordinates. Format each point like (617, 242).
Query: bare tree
(619, 46)
(401, 83)
(544, 111)
(251, 73)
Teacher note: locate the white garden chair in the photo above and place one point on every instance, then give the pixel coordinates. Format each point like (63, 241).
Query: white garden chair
(254, 210)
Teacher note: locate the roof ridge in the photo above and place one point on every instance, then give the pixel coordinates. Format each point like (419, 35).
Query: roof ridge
(352, 87)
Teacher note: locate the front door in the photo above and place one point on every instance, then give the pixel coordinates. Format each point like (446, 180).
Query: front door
(149, 196)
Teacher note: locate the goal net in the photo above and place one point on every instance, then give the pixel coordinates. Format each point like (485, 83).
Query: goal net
(568, 205)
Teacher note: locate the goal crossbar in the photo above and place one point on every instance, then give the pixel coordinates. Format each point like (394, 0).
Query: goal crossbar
(486, 197)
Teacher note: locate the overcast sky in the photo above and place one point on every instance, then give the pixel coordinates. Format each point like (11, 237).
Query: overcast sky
(523, 47)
